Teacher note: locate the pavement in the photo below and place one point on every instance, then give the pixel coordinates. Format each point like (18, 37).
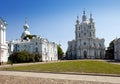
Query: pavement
(108, 79)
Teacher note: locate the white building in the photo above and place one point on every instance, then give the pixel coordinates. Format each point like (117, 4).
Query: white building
(85, 45)
(3, 43)
(117, 49)
(47, 49)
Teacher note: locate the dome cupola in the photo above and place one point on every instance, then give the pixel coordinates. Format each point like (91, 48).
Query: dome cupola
(26, 31)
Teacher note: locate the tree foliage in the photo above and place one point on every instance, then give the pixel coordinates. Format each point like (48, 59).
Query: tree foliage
(110, 51)
(29, 36)
(60, 52)
(22, 57)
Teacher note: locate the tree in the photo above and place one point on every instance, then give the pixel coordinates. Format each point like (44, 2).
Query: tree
(38, 57)
(110, 51)
(29, 36)
(24, 56)
(60, 52)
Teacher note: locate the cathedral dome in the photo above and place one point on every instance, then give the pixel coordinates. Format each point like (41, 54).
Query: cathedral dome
(26, 26)
(26, 31)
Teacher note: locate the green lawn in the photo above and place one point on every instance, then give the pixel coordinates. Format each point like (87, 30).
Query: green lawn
(79, 66)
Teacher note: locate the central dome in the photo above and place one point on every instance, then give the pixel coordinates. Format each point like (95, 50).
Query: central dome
(25, 32)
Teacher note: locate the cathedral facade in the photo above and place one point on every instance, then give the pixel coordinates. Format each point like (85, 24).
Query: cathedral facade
(3, 43)
(35, 45)
(85, 45)
(117, 49)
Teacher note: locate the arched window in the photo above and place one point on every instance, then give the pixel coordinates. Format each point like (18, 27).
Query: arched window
(94, 45)
(90, 34)
(36, 49)
(79, 28)
(99, 45)
(84, 28)
(79, 34)
(90, 26)
(85, 34)
(84, 43)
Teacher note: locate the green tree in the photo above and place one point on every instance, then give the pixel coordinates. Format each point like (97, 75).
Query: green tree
(38, 57)
(22, 57)
(29, 36)
(110, 51)
(60, 52)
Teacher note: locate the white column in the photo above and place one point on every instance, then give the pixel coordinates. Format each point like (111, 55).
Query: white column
(4, 32)
(1, 36)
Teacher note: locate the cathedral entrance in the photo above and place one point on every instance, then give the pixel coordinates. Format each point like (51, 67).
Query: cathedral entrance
(85, 54)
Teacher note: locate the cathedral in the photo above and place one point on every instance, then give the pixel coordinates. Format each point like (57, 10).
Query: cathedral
(117, 49)
(85, 45)
(3, 43)
(34, 44)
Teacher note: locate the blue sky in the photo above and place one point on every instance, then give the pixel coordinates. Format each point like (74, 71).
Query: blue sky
(55, 19)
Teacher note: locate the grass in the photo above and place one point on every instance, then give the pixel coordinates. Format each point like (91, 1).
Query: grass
(84, 66)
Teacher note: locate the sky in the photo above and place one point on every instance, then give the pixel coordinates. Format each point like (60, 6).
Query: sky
(55, 19)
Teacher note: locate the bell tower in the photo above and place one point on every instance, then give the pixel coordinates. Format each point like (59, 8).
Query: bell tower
(91, 26)
(77, 28)
(84, 18)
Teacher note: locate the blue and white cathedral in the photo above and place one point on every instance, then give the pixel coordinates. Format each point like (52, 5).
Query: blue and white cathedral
(36, 44)
(85, 45)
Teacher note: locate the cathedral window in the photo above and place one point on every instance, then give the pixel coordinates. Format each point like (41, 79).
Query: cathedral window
(90, 26)
(100, 45)
(84, 43)
(36, 49)
(90, 34)
(24, 45)
(79, 35)
(94, 45)
(85, 34)
(84, 28)
(93, 33)
(79, 28)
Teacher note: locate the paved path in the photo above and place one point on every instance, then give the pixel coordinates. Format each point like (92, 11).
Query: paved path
(64, 76)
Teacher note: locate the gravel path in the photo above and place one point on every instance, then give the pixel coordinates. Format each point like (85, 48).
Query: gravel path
(101, 79)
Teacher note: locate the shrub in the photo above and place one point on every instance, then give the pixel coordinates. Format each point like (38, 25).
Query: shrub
(22, 57)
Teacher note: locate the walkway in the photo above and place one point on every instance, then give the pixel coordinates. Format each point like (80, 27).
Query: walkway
(107, 79)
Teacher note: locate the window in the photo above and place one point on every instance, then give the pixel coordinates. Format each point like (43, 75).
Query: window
(94, 45)
(85, 34)
(36, 49)
(79, 28)
(90, 26)
(90, 34)
(79, 34)
(84, 43)
(84, 28)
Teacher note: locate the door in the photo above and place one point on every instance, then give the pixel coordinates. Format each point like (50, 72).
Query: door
(85, 54)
